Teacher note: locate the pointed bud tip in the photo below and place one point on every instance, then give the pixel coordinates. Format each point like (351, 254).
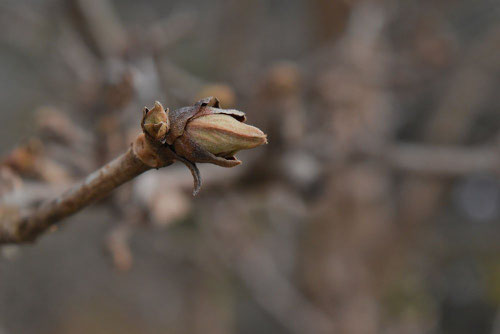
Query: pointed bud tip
(223, 135)
(155, 121)
(158, 105)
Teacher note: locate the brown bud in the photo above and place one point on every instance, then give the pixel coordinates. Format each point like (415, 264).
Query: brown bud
(155, 122)
(223, 135)
(214, 135)
(200, 133)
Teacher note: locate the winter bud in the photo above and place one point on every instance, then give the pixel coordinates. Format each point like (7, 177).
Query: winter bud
(155, 122)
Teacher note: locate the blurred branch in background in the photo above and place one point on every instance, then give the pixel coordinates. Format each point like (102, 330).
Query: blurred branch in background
(454, 117)
(443, 161)
(100, 27)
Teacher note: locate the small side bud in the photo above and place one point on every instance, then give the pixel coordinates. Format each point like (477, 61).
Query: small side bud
(155, 122)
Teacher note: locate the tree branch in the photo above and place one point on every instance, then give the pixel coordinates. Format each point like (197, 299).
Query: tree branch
(96, 186)
(189, 135)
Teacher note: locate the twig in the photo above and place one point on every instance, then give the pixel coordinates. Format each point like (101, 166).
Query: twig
(167, 137)
(96, 186)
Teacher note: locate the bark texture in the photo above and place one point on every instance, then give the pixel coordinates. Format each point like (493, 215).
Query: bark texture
(96, 186)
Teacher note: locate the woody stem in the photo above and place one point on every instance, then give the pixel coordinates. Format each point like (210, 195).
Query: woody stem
(97, 185)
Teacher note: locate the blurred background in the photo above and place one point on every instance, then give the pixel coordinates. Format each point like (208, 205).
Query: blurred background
(375, 207)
